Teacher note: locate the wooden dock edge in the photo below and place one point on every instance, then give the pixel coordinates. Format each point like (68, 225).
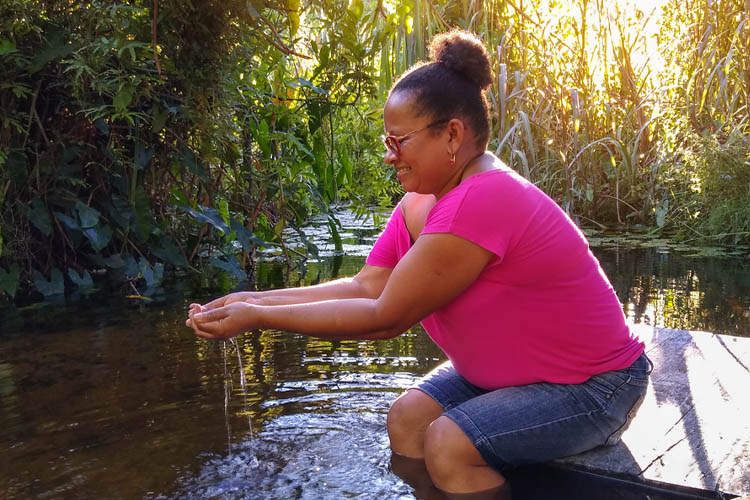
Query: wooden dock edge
(692, 432)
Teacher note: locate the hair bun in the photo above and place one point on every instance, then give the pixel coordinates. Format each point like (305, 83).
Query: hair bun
(464, 53)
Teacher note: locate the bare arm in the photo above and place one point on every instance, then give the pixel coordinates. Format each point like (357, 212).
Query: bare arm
(369, 282)
(437, 269)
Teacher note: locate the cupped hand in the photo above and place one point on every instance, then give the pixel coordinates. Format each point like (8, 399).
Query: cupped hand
(222, 322)
(229, 299)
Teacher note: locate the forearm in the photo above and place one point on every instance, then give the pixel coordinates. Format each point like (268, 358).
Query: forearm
(339, 289)
(356, 318)
(368, 283)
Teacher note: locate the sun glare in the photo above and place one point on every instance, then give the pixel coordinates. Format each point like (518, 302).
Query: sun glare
(616, 32)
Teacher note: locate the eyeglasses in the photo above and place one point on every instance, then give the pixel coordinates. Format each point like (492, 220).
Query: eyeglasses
(393, 143)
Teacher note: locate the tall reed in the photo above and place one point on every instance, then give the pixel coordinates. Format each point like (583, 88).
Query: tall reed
(595, 100)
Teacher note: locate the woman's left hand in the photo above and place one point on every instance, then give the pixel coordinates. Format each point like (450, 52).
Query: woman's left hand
(223, 322)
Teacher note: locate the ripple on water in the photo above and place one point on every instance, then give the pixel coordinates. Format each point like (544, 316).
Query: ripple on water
(335, 448)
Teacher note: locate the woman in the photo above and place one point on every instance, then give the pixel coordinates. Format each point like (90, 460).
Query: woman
(541, 361)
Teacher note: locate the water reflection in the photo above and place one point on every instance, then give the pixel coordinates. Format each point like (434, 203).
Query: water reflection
(106, 399)
(689, 293)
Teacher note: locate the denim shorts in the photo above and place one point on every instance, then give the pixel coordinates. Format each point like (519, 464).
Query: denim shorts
(539, 422)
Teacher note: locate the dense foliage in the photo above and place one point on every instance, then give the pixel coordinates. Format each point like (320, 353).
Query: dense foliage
(145, 134)
(149, 134)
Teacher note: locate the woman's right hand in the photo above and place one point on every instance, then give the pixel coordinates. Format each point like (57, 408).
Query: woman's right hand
(231, 298)
(222, 322)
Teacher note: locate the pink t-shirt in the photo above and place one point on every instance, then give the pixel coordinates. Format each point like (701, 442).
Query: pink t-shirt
(542, 310)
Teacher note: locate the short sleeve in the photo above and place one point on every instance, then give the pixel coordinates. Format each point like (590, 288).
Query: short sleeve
(392, 243)
(474, 211)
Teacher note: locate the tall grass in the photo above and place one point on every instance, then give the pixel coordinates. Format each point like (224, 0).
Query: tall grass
(604, 105)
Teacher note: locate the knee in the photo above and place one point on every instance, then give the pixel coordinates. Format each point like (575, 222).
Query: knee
(399, 415)
(455, 464)
(445, 449)
(412, 412)
(408, 419)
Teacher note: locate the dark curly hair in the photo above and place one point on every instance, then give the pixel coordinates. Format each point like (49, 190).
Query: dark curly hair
(453, 84)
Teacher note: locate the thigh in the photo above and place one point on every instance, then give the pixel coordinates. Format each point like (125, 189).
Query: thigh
(447, 387)
(540, 422)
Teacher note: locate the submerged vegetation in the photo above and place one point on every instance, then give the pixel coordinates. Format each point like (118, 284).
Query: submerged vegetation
(146, 136)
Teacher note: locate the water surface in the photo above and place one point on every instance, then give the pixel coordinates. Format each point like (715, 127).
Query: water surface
(106, 397)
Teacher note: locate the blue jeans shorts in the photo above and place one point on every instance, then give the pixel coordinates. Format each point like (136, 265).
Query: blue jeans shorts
(539, 422)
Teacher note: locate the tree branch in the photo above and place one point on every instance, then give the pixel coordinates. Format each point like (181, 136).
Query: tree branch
(153, 37)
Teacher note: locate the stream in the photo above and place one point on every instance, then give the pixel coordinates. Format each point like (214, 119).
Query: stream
(108, 397)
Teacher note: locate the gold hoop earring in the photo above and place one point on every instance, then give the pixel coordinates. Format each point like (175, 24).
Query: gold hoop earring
(453, 159)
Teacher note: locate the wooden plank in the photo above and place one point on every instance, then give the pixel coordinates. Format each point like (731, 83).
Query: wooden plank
(693, 429)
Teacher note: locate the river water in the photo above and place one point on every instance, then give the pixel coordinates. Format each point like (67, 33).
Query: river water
(110, 397)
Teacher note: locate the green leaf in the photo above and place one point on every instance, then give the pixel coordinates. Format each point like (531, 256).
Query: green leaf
(330, 182)
(132, 270)
(293, 18)
(335, 235)
(70, 222)
(301, 82)
(39, 216)
(158, 270)
(178, 197)
(169, 252)
(102, 126)
(356, 7)
(319, 150)
(130, 47)
(123, 98)
(7, 47)
(142, 156)
(261, 136)
(54, 286)
(89, 217)
(302, 147)
(9, 280)
(245, 237)
(98, 236)
(188, 158)
(144, 220)
(325, 51)
(20, 90)
(55, 48)
(224, 211)
(114, 261)
(121, 212)
(152, 275)
(83, 280)
(316, 111)
(231, 266)
(159, 119)
(341, 177)
(312, 248)
(17, 164)
(346, 164)
(209, 216)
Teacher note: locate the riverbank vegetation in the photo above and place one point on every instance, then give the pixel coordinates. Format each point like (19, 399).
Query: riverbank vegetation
(157, 135)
